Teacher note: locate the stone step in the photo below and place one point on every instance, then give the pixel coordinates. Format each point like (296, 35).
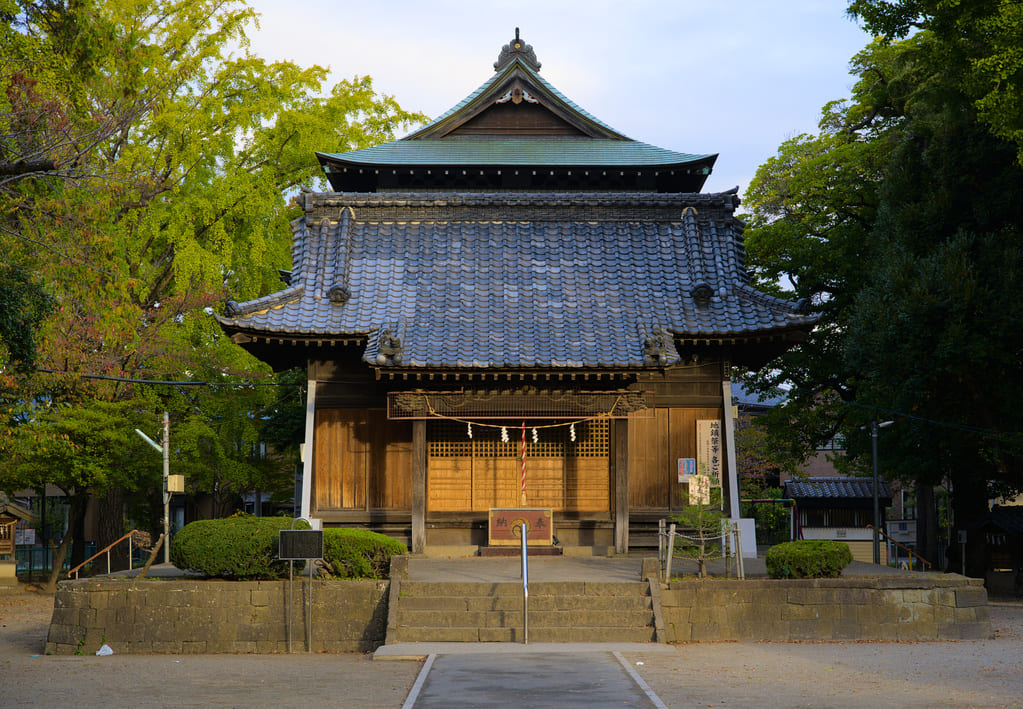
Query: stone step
(511, 619)
(536, 634)
(514, 602)
(545, 588)
(559, 611)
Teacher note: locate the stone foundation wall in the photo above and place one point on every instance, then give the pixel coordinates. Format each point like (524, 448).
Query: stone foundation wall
(939, 607)
(165, 616)
(177, 616)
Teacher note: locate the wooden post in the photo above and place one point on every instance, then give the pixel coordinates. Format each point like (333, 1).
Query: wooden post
(418, 487)
(620, 436)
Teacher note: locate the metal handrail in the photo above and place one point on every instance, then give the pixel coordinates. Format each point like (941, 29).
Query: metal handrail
(900, 546)
(106, 550)
(523, 533)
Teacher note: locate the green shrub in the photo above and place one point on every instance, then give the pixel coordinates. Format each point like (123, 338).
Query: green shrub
(245, 547)
(809, 559)
(241, 547)
(359, 553)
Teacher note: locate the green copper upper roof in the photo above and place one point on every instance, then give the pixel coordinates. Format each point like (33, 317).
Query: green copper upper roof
(550, 132)
(486, 150)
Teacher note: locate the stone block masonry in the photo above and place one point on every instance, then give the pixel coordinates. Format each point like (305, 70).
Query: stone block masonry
(910, 608)
(191, 616)
(164, 616)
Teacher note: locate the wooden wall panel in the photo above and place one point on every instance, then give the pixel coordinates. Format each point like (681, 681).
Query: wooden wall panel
(648, 461)
(449, 489)
(361, 461)
(390, 464)
(545, 483)
(477, 484)
(655, 445)
(682, 442)
(331, 480)
(587, 485)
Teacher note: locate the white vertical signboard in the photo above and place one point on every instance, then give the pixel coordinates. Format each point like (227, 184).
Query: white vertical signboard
(708, 449)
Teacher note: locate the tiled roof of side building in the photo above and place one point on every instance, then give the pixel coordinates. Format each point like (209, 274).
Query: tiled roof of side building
(835, 488)
(565, 288)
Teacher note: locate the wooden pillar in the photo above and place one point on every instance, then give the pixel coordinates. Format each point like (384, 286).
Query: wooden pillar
(620, 439)
(418, 487)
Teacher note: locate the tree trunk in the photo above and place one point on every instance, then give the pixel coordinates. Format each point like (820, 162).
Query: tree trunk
(969, 503)
(75, 522)
(111, 528)
(926, 524)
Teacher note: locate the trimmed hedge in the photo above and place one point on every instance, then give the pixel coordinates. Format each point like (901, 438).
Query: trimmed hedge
(241, 547)
(359, 553)
(245, 548)
(808, 559)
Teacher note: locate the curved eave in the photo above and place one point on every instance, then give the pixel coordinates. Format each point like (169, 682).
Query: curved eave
(513, 157)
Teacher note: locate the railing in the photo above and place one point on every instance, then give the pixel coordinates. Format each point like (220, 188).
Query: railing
(900, 546)
(106, 550)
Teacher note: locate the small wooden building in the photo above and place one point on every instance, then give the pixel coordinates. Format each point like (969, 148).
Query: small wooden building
(514, 306)
(10, 515)
(839, 509)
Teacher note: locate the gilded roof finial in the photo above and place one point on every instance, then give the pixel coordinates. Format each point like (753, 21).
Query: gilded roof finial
(517, 48)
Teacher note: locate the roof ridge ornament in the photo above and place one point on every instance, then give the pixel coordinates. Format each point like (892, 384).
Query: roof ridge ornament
(517, 48)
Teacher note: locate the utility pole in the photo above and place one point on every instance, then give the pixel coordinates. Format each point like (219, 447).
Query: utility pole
(167, 490)
(165, 449)
(874, 426)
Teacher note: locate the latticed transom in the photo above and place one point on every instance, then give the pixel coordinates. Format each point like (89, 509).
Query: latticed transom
(450, 439)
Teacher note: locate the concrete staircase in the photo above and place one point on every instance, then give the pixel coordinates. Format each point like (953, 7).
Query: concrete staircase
(559, 611)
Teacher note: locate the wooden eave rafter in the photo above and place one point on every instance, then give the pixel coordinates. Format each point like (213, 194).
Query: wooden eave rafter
(503, 375)
(516, 75)
(249, 338)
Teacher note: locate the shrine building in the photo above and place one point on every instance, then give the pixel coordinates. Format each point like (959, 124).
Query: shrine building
(516, 307)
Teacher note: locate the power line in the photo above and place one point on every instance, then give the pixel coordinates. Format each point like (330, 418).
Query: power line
(191, 382)
(1007, 437)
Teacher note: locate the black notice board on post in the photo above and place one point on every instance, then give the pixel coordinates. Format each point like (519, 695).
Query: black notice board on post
(300, 544)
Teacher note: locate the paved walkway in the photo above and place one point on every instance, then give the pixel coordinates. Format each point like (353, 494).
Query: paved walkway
(591, 568)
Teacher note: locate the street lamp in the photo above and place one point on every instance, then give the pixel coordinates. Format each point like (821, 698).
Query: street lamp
(165, 449)
(874, 426)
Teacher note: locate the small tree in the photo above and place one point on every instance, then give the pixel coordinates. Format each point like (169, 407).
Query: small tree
(701, 523)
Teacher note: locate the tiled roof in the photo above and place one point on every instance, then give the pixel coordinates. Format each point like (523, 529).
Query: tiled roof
(495, 150)
(836, 488)
(1007, 519)
(744, 395)
(462, 282)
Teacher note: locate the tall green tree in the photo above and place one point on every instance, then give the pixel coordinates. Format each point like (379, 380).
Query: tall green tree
(978, 43)
(85, 451)
(23, 307)
(919, 315)
(146, 164)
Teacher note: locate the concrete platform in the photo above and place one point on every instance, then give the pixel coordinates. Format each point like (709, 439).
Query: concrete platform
(420, 651)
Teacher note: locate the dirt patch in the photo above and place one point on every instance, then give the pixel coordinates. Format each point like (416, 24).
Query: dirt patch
(24, 620)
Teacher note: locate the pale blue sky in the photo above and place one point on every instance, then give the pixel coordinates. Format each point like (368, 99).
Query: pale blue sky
(735, 78)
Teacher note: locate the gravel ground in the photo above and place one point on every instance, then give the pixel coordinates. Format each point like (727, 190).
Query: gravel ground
(985, 673)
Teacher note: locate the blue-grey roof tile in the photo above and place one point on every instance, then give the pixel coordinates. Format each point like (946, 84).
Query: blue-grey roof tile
(562, 289)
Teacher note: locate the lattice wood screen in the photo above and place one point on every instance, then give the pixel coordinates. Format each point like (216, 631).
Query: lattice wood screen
(449, 439)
